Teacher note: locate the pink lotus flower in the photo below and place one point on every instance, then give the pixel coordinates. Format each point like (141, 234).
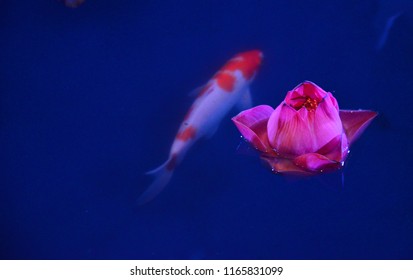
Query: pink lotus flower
(306, 133)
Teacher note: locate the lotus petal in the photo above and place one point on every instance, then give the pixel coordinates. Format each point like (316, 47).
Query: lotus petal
(252, 124)
(355, 122)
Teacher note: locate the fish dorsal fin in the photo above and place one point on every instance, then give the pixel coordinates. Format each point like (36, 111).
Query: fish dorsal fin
(196, 92)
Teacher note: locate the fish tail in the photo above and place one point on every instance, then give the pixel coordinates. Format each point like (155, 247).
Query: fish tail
(162, 176)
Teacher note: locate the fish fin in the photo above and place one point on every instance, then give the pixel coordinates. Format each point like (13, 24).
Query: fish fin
(245, 102)
(195, 92)
(386, 31)
(162, 176)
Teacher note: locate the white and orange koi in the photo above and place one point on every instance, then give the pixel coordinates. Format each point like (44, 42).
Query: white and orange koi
(229, 86)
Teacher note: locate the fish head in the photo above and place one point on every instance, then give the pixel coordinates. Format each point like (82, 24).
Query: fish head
(246, 62)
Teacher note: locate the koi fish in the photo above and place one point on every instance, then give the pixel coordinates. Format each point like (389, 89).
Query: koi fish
(228, 87)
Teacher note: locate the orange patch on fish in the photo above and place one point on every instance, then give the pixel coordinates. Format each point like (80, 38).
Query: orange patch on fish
(248, 72)
(254, 57)
(234, 64)
(242, 65)
(186, 134)
(225, 81)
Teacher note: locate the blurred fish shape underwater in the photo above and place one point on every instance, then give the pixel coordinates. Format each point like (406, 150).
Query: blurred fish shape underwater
(387, 15)
(72, 3)
(228, 87)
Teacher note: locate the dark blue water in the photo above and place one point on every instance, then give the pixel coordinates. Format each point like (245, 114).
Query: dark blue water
(91, 98)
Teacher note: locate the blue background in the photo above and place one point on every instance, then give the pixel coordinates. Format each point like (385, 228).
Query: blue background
(91, 98)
